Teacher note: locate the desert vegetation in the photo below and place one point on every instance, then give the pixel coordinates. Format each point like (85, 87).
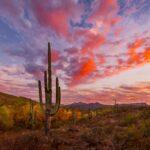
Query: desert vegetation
(106, 128)
(23, 122)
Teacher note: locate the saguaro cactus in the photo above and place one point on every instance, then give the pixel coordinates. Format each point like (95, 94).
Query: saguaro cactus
(74, 117)
(32, 114)
(50, 109)
(90, 113)
(116, 105)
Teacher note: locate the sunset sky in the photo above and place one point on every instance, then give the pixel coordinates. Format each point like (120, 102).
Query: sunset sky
(100, 48)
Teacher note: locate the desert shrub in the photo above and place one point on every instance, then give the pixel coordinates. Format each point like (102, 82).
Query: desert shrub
(82, 120)
(108, 129)
(145, 143)
(63, 114)
(6, 118)
(145, 114)
(21, 116)
(145, 128)
(57, 123)
(128, 119)
(119, 139)
(132, 137)
(135, 137)
(91, 138)
(133, 132)
(39, 116)
(20, 101)
(128, 138)
(105, 111)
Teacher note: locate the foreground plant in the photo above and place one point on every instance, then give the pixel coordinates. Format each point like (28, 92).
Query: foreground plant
(32, 114)
(49, 109)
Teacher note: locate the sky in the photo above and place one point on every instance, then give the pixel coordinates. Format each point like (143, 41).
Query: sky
(100, 48)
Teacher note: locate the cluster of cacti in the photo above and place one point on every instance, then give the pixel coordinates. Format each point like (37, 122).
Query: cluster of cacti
(74, 117)
(49, 109)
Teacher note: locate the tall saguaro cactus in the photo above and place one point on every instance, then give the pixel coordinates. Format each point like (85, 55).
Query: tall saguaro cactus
(50, 109)
(116, 105)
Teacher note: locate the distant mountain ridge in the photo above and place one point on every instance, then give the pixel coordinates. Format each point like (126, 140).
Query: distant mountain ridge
(8, 99)
(81, 105)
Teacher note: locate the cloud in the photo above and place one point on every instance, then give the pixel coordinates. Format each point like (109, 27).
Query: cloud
(147, 54)
(34, 69)
(92, 41)
(56, 15)
(9, 6)
(15, 80)
(134, 55)
(85, 69)
(137, 93)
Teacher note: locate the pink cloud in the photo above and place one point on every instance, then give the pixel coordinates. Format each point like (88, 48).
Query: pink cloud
(9, 6)
(57, 15)
(137, 93)
(85, 69)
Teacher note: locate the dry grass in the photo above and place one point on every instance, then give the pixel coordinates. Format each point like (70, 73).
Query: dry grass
(107, 131)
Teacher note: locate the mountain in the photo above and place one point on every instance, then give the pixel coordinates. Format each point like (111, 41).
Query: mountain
(85, 106)
(7, 99)
(135, 105)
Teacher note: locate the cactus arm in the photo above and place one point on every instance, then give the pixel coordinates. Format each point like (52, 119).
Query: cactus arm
(49, 68)
(57, 92)
(55, 109)
(59, 95)
(45, 87)
(40, 94)
(31, 113)
(49, 76)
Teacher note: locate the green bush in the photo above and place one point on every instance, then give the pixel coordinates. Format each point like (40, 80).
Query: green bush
(128, 119)
(128, 138)
(105, 111)
(6, 118)
(145, 114)
(145, 128)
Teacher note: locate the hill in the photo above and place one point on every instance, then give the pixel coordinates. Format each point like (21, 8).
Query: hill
(92, 106)
(85, 106)
(7, 99)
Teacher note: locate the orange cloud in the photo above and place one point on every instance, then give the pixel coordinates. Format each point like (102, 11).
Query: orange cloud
(146, 54)
(134, 56)
(87, 68)
(138, 58)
